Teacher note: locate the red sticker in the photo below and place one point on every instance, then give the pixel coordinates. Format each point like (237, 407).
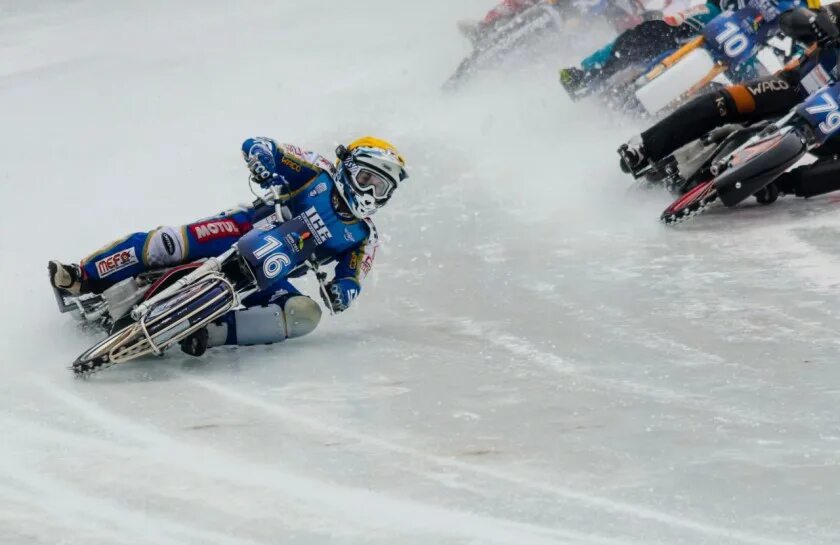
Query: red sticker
(214, 229)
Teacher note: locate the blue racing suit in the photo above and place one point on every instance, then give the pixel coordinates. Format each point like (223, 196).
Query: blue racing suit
(648, 40)
(308, 186)
(652, 38)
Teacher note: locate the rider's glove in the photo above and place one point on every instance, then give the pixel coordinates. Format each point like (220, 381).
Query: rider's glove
(340, 293)
(259, 154)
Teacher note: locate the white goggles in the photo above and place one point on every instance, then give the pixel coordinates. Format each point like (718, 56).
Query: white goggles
(369, 181)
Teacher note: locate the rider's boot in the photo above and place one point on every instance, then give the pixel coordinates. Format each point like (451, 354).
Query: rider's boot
(575, 81)
(633, 159)
(66, 277)
(196, 344)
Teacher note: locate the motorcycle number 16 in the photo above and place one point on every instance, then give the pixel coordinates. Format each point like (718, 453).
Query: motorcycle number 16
(276, 262)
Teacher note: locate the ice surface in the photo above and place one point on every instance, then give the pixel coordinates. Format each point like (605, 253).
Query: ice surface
(535, 360)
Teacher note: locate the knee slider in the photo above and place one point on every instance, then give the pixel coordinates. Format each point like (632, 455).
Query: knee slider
(301, 315)
(165, 247)
(273, 324)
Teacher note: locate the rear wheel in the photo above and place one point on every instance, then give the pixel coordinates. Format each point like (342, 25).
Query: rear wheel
(101, 355)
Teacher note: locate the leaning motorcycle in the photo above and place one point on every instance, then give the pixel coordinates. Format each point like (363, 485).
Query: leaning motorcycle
(547, 18)
(149, 314)
(726, 51)
(729, 176)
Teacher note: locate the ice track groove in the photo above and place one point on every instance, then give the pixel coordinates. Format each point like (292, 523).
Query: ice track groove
(351, 505)
(579, 373)
(592, 501)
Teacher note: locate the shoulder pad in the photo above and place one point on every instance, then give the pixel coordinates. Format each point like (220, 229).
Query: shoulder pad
(309, 159)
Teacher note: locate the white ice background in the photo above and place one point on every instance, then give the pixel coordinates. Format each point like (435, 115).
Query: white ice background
(535, 359)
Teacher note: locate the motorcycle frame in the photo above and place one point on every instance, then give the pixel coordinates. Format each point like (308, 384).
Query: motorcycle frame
(144, 323)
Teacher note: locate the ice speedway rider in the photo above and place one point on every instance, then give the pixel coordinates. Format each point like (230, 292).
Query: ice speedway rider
(680, 21)
(337, 199)
(764, 98)
(621, 14)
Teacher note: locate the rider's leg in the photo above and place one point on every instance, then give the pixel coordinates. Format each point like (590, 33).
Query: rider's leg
(763, 98)
(641, 44)
(272, 317)
(818, 178)
(158, 248)
(634, 46)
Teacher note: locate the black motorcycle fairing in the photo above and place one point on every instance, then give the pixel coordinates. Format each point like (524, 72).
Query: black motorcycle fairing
(753, 167)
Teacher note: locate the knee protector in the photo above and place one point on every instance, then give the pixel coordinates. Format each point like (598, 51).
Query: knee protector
(164, 248)
(302, 315)
(298, 316)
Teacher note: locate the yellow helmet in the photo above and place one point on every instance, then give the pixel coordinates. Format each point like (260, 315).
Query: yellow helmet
(369, 171)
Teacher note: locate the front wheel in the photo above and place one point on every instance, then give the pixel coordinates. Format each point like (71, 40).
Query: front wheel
(163, 324)
(694, 202)
(105, 353)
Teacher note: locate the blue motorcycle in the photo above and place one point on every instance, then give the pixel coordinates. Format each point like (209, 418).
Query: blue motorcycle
(179, 304)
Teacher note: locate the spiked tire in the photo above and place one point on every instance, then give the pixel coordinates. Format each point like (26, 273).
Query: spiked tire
(166, 323)
(693, 203)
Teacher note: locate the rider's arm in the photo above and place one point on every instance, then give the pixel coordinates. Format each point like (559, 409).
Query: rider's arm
(350, 271)
(283, 165)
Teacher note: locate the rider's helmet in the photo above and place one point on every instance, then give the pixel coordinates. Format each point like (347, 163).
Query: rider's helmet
(369, 170)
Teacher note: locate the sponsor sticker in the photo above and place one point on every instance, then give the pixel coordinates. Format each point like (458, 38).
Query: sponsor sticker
(366, 264)
(770, 85)
(293, 150)
(320, 188)
(288, 163)
(296, 241)
(316, 225)
(215, 229)
(168, 243)
(109, 265)
(816, 79)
